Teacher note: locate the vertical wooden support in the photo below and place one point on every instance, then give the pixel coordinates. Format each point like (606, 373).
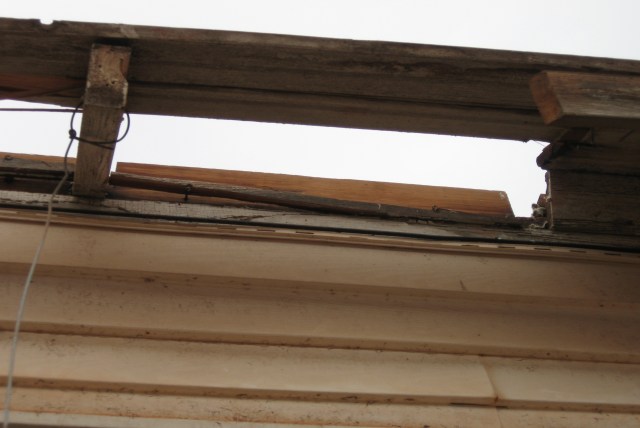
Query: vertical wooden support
(104, 100)
(594, 172)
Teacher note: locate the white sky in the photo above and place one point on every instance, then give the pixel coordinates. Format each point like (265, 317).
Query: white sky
(607, 28)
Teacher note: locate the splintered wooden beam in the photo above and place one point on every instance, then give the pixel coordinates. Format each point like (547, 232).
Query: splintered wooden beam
(104, 100)
(589, 100)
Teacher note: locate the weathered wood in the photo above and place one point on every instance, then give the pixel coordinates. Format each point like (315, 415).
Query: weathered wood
(308, 202)
(596, 203)
(33, 166)
(486, 202)
(606, 151)
(588, 100)
(593, 181)
(273, 216)
(104, 100)
(379, 85)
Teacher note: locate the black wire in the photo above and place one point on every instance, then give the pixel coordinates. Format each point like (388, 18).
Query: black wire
(107, 145)
(37, 110)
(73, 134)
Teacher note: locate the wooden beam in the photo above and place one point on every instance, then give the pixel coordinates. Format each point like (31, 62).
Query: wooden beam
(308, 202)
(305, 80)
(486, 202)
(589, 100)
(104, 100)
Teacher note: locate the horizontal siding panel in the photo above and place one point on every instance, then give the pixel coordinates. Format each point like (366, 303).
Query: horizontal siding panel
(245, 370)
(270, 256)
(214, 310)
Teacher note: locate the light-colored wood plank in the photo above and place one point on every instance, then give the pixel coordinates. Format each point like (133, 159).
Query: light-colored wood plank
(589, 100)
(306, 202)
(424, 197)
(104, 100)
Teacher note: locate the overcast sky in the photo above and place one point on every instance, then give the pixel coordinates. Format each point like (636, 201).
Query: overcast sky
(606, 28)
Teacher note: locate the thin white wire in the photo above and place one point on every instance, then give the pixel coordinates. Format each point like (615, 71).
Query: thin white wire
(25, 291)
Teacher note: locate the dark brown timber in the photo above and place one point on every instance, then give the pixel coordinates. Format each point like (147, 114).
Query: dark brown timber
(304, 80)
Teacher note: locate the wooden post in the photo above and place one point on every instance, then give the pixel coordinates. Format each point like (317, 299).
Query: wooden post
(594, 177)
(104, 100)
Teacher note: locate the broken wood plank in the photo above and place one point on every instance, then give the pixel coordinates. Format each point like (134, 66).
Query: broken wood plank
(104, 100)
(589, 100)
(486, 202)
(308, 202)
(306, 80)
(595, 203)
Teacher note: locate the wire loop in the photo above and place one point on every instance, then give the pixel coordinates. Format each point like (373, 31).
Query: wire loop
(107, 145)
